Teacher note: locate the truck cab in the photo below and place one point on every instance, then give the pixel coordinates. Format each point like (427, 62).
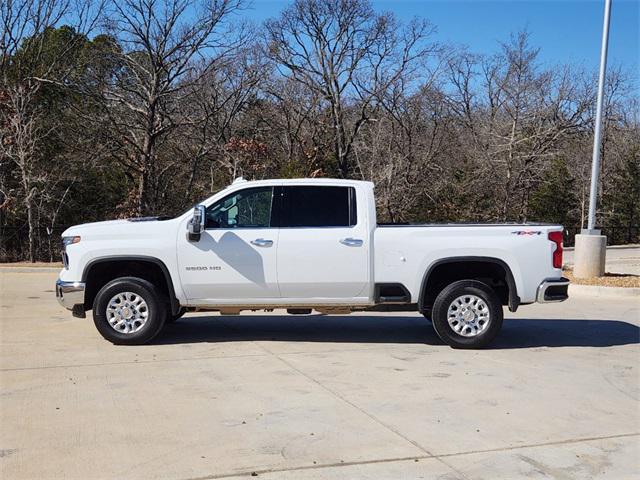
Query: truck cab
(281, 243)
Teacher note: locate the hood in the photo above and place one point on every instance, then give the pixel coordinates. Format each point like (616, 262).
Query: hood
(122, 227)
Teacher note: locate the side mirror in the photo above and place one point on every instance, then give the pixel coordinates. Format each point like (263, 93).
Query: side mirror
(196, 224)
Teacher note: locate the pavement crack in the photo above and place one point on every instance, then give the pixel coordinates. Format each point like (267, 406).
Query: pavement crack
(131, 362)
(427, 453)
(543, 444)
(347, 401)
(406, 459)
(311, 467)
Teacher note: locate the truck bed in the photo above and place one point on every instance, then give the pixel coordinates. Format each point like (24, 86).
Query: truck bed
(404, 252)
(466, 224)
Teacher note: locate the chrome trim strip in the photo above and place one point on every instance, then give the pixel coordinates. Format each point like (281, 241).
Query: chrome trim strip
(552, 282)
(70, 294)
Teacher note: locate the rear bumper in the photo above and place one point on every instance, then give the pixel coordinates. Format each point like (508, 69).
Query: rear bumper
(553, 290)
(70, 294)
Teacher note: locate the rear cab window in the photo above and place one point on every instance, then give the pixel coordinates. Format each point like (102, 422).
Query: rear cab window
(318, 206)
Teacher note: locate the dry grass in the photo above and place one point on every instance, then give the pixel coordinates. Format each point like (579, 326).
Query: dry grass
(609, 280)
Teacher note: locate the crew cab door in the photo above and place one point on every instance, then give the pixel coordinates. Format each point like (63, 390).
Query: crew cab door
(323, 248)
(235, 259)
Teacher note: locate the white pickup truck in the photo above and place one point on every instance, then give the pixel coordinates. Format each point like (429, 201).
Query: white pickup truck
(303, 245)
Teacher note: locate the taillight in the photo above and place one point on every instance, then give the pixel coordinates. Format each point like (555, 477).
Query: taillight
(556, 237)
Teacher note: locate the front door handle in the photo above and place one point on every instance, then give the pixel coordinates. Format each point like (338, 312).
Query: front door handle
(261, 242)
(351, 242)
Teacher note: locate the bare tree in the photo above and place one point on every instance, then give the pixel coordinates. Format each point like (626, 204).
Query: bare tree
(166, 46)
(217, 110)
(171, 101)
(516, 121)
(28, 62)
(297, 126)
(347, 54)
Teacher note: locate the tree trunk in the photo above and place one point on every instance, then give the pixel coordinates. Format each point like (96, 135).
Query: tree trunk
(339, 140)
(30, 222)
(143, 192)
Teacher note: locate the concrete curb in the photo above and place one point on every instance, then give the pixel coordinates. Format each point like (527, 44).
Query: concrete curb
(600, 291)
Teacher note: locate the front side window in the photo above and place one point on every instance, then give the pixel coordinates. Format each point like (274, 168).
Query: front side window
(249, 208)
(311, 206)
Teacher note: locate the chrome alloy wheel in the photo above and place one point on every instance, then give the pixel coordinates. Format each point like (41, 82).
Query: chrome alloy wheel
(468, 315)
(127, 312)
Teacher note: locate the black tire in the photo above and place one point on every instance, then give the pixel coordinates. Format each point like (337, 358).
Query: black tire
(171, 318)
(458, 289)
(156, 304)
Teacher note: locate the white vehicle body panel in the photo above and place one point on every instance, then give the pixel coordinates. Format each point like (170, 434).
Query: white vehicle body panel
(310, 266)
(314, 264)
(123, 238)
(405, 254)
(225, 266)
(320, 264)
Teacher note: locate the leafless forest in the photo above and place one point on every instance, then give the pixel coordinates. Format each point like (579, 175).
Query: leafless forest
(141, 107)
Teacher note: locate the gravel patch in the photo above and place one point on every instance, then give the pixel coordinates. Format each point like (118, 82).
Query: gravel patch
(609, 280)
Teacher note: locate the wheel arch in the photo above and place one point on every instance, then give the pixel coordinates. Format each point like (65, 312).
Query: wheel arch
(114, 266)
(512, 300)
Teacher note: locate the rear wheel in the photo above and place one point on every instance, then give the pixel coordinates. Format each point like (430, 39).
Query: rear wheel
(467, 314)
(129, 311)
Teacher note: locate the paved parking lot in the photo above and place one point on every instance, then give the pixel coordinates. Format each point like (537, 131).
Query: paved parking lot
(317, 397)
(623, 259)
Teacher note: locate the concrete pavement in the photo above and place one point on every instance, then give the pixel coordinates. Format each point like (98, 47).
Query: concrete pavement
(318, 397)
(619, 259)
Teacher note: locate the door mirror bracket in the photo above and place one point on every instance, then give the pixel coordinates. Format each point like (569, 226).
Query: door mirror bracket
(195, 226)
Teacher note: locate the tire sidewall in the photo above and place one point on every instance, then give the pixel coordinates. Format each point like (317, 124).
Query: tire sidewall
(155, 320)
(448, 295)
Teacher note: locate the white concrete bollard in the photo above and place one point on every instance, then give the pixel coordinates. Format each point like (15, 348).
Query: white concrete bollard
(590, 255)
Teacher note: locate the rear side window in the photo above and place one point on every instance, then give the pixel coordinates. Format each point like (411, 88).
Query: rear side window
(319, 207)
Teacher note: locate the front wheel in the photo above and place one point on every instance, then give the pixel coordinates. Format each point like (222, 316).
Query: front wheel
(467, 314)
(129, 311)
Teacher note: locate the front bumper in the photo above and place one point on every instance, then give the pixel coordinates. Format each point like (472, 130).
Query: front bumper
(70, 294)
(553, 290)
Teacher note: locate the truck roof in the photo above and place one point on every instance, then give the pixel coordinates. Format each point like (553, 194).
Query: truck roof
(301, 181)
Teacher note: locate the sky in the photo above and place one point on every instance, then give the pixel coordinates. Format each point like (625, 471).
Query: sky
(566, 31)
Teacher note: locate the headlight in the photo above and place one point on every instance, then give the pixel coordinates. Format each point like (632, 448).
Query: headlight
(69, 240)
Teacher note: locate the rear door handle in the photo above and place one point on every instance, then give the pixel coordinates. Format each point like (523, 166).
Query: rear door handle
(351, 242)
(261, 242)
